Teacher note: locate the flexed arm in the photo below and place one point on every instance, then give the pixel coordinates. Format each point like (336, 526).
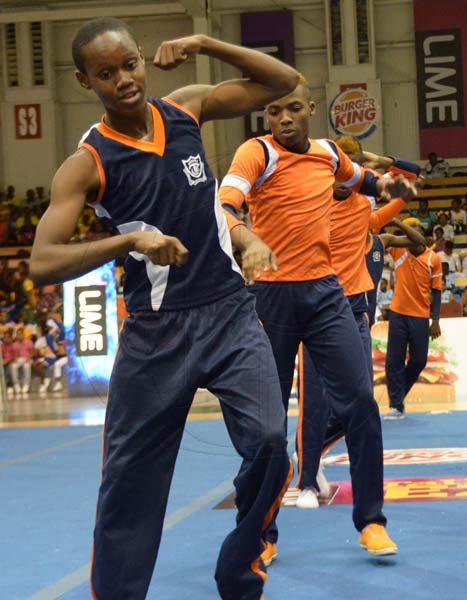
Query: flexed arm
(266, 78)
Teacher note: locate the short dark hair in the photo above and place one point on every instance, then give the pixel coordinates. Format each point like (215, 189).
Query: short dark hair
(92, 29)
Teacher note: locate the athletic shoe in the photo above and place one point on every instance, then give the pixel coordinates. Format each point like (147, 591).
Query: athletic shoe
(307, 498)
(376, 540)
(25, 388)
(324, 488)
(57, 386)
(394, 414)
(44, 386)
(269, 553)
(17, 388)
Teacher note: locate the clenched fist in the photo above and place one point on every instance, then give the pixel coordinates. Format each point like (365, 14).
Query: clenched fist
(162, 250)
(172, 53)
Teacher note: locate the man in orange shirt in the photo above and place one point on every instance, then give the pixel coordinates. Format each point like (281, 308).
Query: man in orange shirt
(417, 296)
(352, 216)
(318, 430)
(287, 179)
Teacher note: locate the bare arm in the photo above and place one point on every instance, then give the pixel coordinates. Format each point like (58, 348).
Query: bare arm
(412, 236)
(54, 259)
(266, 78)
(257, 257)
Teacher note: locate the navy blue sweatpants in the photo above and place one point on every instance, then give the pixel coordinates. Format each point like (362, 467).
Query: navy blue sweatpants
(405, 333)
(163, 358)
(318, 314)
(318, 427)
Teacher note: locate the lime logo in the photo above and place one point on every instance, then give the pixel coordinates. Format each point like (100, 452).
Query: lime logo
(410, 456)
(353, 112)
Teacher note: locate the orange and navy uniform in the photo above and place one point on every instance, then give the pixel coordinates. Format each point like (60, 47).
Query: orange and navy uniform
(189, 325)
(416, 294)
(350, 221)
(415, 277)
(290, 197)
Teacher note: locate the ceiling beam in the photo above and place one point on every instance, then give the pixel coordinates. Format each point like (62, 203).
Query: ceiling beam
(73, 14)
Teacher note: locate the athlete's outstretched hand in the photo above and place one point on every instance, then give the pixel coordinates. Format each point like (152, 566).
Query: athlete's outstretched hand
(161, 249)
(256, 259)
(172, 53)
(397, 187)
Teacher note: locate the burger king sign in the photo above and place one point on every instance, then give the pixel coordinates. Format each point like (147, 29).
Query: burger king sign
(354, 112)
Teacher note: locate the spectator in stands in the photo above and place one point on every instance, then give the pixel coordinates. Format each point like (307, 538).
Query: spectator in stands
(446, 294)
(50, 357)
(84, 225)
(49, 298)
(447, 228)
(28, 328)
(23, 355)
(6, 324)
(23, 292)
(4, 221)
(30, 198)
(385, 294)
(449, 277)
(15, 213)
(450, 257)
(436, 167)
(42, 200)
(12, 198)
(458, 216)
(426, 217)
(8, 356)
(439, 242)
(25, 233)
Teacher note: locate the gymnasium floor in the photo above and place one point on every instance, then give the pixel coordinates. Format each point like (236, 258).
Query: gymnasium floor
(49, 474)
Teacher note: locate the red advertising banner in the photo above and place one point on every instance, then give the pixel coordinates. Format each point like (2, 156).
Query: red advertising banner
(441, 48)
(28, 121)
(270, 32)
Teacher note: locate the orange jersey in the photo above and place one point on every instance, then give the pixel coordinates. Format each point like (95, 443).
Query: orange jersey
(290, 196)
(415, 276)
(350, 221)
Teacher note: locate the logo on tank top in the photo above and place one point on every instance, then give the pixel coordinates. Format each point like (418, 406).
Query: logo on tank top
(193, 167)
(376, 255)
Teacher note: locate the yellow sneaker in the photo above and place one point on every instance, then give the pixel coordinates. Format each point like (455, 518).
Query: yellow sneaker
(376, 540)
(269, 553)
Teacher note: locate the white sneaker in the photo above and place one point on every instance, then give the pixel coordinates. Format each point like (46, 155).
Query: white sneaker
(323, 483)
(9, 391)
(25, 388)
(307, 498)
(57, 386)
(44, 386)
(394, 414)
(17, 388)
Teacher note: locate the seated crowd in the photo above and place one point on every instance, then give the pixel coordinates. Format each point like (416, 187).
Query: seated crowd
(19, 218)
(32, 335)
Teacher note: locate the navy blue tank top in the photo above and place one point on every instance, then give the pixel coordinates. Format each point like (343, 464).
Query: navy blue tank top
(165, 186)
(375, 265)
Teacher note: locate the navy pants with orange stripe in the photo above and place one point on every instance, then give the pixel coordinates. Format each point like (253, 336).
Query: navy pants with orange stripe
(318, 314)
(319, 427)
(163, 358)
(410, 334)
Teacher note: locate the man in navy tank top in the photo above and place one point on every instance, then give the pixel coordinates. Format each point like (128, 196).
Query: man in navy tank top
(192, 323)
